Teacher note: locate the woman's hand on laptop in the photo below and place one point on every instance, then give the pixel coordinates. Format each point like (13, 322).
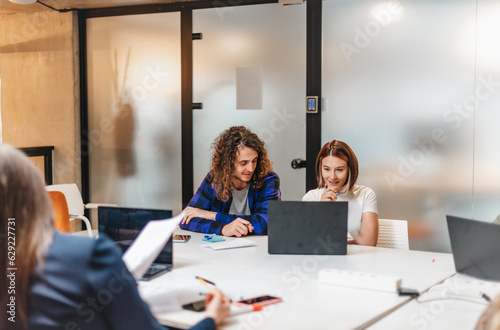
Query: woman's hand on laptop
(193, 212)
(238, 227)
(217, 306)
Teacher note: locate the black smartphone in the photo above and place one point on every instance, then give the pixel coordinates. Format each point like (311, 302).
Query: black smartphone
(262, 300)
(197, 306)
(181, 238)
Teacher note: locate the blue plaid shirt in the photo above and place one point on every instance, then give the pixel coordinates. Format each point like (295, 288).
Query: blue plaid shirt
(206, 199)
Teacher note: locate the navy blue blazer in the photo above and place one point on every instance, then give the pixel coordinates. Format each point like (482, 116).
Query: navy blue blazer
(84, 284)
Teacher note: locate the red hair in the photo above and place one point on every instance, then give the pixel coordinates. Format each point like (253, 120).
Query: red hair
(343, 151)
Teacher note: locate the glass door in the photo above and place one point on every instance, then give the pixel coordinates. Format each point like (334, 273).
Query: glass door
(134, 110)
(266, 44)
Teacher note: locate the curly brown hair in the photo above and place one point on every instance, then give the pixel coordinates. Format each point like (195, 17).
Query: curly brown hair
(225, 152)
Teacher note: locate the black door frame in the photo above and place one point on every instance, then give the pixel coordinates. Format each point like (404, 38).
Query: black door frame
(313, 81)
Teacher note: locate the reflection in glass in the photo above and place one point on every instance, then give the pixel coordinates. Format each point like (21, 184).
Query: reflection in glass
(134, 110)
(398, 87)
(233, 39)
(487, 114)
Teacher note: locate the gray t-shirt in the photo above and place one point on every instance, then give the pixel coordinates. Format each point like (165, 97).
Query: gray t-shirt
(239, 205)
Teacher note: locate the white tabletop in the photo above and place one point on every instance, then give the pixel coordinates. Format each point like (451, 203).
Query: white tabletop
(251, 271)
(455, 304)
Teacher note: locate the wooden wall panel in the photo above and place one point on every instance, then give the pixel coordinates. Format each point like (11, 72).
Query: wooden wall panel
(40, 89)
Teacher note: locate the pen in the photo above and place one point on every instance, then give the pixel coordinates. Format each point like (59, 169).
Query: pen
(205, 284)
(245, 309)
(340, 193)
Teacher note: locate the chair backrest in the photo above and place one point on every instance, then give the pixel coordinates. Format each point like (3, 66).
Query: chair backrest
(393, 234)
(61, 212)
(73, 196)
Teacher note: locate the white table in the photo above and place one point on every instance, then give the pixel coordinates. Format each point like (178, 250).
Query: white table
(251, 271)
(455, 304)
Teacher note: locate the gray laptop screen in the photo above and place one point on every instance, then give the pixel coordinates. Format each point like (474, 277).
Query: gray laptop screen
(123, 224)
(307, 227)
(476, 247)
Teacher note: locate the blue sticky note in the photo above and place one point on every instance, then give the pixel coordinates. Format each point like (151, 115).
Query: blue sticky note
(212, 238)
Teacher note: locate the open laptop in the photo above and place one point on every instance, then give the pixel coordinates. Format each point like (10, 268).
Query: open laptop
(307, 227)
(476, 247)
(123, 224)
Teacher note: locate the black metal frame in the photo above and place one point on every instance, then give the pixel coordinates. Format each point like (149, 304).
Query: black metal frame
(313, 88)
(187, 105)
(46, 153)
(313, 84)
(84, 111)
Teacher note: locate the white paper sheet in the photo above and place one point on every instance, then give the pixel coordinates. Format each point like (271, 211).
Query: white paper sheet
(234, 244)
(249, 88)
(148, 244)
(168, 296)
(160, 296)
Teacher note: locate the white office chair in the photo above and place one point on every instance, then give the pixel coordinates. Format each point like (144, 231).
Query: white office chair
(393, 234)
(75, 203)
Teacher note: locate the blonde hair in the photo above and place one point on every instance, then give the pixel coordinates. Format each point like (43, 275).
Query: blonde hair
(26, 218)
(490, 319)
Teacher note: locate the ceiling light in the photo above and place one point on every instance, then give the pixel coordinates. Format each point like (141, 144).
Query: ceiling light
(23, 2)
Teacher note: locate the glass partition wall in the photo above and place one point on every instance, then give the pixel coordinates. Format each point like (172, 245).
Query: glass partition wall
(134, 97)
(405, 85)
(269, 40)
(134, 110)
(486, 191)
(411, 86)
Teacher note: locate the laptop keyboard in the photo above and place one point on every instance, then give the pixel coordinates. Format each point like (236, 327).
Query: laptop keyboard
(155, 270)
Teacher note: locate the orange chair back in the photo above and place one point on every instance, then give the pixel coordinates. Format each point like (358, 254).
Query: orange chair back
(61, 211)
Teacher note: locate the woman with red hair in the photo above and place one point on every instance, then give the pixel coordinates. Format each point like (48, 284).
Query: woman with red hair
(336, 173)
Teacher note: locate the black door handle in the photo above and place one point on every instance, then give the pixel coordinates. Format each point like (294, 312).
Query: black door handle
(298, 163)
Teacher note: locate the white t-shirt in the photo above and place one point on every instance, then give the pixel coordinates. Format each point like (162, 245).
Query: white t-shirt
(239, 205)
(361, 199)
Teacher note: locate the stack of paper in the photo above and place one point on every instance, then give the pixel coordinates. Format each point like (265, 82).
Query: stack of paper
(148, 245)
(234, 244)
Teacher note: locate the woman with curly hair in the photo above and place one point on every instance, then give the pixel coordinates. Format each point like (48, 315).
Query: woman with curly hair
(232, 199)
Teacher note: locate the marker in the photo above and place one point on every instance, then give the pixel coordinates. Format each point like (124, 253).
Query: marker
(246, 309)
(485, 296)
